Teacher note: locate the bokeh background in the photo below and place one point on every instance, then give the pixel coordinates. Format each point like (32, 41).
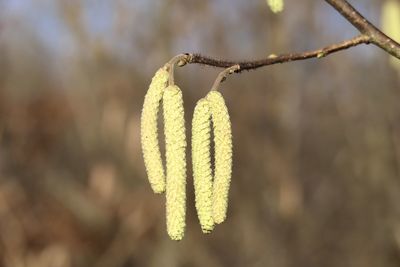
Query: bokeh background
(316, 179)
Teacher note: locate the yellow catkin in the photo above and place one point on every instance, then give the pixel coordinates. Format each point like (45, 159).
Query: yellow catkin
(275, 5)
(175, 146)
(149, 131)
(223, 155)
(391, 18)
(390, 24)
(202, 174)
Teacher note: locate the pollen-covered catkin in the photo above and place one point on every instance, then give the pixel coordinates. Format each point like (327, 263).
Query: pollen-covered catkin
(275, 5)
(202, 174)
(175, 146)
(149, 131)
(223, 155)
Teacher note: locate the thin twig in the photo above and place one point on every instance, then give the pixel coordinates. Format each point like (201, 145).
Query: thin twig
(273, 59)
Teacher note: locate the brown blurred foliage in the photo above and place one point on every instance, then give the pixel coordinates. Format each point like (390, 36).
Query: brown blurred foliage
(316, 178)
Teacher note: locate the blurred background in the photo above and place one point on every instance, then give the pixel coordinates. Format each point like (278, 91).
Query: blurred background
(316, 175)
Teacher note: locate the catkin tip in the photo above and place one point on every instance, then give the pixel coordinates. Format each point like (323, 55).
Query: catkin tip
(149, 131)
(276, 6)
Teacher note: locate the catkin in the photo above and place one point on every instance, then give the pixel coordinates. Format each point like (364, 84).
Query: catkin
(175, 145)
(202, 175)
(149, 135)
(390, 20)
(223, 155)
(275, 5)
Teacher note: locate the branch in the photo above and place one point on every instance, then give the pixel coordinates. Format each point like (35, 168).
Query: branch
(273, 59)
(365, 27)
(369, 34)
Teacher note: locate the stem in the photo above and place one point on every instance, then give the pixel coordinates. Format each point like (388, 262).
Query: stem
(222, 76)
(273, 59)
(179, 60)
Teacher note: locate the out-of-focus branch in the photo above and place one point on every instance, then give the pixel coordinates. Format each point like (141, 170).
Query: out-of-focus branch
(368, 34)
(377, 37)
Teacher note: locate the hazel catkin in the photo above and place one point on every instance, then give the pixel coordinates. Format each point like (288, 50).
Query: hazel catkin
(175, 146)
(223, 155)
(275, 5)
(202, 174)
(149, 131)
